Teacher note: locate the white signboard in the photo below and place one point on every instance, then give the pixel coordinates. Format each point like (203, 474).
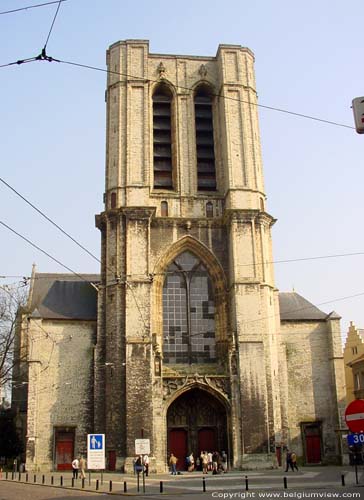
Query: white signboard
(142, 446)
(96, 451)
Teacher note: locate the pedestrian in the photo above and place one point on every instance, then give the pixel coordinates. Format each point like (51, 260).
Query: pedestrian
(75, 467)
(289, 461)
(139, 464)
(209, 455)
(190, 462)
(215, 459)
(294, 461)
(173, 463)
(82, 465)
(224, 461)
(205, 462)
(146, 464)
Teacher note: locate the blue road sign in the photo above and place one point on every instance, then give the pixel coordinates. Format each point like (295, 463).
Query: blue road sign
(96, 442)
(355, 439)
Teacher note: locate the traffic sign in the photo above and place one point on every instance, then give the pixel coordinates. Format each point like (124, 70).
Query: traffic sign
(96, 451)
(354, 415)
(142, 446)
(355, 439)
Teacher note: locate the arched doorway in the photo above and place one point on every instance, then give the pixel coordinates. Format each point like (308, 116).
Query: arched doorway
(196, 421)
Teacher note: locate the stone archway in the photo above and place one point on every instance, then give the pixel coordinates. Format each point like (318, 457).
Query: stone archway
(196, 421)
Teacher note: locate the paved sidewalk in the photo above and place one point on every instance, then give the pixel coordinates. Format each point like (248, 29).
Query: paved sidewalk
(306, 478)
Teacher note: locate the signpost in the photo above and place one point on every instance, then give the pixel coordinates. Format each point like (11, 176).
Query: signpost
(142, 447)
(96, 451)
(354, 415)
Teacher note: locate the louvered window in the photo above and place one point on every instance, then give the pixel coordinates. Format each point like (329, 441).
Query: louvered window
(206, 176)
(162, 139)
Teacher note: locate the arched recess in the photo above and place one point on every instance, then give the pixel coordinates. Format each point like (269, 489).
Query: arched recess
(197, 419)
(216, 273)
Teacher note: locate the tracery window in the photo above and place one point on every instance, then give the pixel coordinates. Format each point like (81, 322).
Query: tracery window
(162, 138)
(188, 312)
(205, 151)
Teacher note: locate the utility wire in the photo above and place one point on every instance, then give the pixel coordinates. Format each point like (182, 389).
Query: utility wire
(51, 28)
(31, 7)
(49, 220)
(45, 57)
(147, 80)
(46, 253)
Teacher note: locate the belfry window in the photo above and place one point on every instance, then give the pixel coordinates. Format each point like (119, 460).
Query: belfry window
(205, 151)
(188, 312)
(162, 138)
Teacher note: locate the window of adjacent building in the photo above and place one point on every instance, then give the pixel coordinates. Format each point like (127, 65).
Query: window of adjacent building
(357, 381)
(188, 312)
(164, 209)
(162, 138)
(205, 151)
(354, 350)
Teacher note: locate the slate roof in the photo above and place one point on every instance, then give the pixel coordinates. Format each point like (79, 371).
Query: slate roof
(295, 307)
(64, 296)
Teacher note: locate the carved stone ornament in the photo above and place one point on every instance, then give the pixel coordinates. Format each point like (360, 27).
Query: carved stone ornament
(203, 71)
(219, 384)
(161, 70)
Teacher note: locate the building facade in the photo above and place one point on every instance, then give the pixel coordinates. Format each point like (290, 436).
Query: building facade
(354, 363)
(191, 345)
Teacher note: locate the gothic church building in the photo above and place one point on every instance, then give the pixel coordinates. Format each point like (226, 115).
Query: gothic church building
(183, 338)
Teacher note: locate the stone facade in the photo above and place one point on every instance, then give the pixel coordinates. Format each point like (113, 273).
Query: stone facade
(187, 308)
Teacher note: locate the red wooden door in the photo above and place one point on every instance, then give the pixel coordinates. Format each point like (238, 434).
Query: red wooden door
(207, 440)
(313, 449)
(64, 455)
(178, 446)
(112, 460)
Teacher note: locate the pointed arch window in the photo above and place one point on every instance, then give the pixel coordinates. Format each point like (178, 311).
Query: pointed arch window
(188, 312)
(205, 150)
(162, 138)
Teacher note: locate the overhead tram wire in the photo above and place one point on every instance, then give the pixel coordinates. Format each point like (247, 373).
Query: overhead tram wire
(280, 110)
(44, 57)
(51, 28)
(31, 7)
(82, 278)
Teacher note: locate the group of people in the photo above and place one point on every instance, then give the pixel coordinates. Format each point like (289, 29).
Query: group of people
(141, 464)
(291, 460)
(213, 462)
(78, 465)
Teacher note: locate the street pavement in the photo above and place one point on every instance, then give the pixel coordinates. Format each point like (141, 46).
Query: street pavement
(231, 485)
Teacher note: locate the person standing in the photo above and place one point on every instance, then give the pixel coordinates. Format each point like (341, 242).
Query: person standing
(75, 467)
(294, 461)
(205, 462)
(82, 465)
(173, 463)
(289, 461)
(146, 464)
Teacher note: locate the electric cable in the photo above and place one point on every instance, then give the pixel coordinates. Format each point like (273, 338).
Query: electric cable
(31, 7)
(47, 254)
(51, 28)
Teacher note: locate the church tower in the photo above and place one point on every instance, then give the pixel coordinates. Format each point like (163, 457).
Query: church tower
(188, 335)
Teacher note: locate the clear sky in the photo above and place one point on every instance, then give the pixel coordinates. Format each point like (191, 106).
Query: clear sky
(309, 60)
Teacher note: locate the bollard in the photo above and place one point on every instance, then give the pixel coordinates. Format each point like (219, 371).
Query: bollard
(73, 482)
(61, 480)
(342, 479)
(97, 484)
(35, 478)
(110, 486)
(285, 482)
(26, 477)
(43, 479)
(83, 482)
(19, 476)
(203, 484)
(125, 487)
(246, 483)
(143, 482)
(52, 480)
(161, 487)
(138, 479)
